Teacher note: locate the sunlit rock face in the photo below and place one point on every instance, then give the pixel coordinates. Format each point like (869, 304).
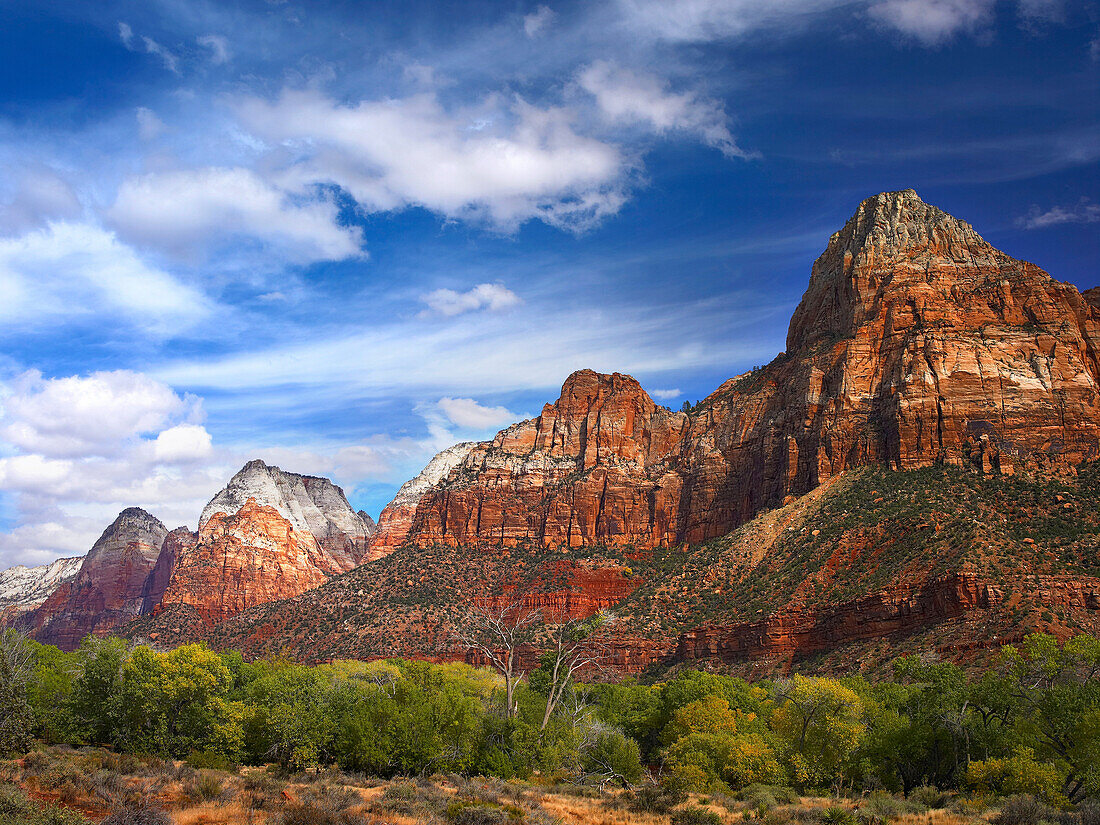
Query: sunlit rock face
(313, 505)
(24, 588)
(916, 342)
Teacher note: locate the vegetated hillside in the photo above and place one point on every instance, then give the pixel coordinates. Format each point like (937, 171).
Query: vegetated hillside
(873, 564)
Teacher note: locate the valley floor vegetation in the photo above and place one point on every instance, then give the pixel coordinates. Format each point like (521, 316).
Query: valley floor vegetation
(189, 735)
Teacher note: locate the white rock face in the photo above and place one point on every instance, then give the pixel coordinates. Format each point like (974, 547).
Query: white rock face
(23, 587)
(436, 470)
(313, 505)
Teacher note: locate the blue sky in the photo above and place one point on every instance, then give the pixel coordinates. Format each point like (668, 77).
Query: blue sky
(341, 237)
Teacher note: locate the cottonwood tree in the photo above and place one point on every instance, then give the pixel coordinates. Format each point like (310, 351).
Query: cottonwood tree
(496, 629)
(16, 668)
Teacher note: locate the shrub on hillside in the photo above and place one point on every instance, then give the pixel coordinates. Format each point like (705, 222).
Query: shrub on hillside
(1022, 809)
(139, 814)
(16, 809)
(696, 816)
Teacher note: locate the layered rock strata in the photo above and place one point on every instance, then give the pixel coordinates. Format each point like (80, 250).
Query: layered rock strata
(312, 504)
(240, 560)
(916, 343)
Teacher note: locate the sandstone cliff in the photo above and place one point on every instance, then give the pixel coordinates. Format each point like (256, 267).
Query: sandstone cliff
(108, 591)
(241, 560)
(313, 505)
(916, 343)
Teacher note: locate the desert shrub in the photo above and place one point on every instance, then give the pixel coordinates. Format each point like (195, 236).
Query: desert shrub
(204, 787)
(262, 791)
(463, 812)
(655, 800)
(885, 806)
(302, 813)
(929, 796)
(1089, 812)
(331, 797)
(409, 799)
(36, 763)
(696, 816)
(1021, 809)
(138, 814)
(836, 815)
(16, 809)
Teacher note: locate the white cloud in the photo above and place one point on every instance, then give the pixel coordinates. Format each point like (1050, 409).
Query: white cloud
(170, 61)
(537, 21)
(626, 97)
(492, 297)
(86, 415)
(218, 46)
(468, 414)
(150, 127)
(704, 20)
(125, 34)
(933, 22)
(72, 269)
(40, 195)
(665, 395)
(1094, 49)
(1084, 211)
(503, 163)
(184, 442)
(179, 211)
(76, 450)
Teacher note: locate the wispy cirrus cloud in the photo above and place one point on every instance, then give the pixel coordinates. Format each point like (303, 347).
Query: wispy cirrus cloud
(1084, 211)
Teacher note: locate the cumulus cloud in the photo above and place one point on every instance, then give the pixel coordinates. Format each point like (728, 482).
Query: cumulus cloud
(184, 442)
(537, 21)
(78, 449)
(448, 302)
(468, 414)
(70, 269)
(40, 195)
(84, 415)
(1084, 211)
(218, 46)
(503, 162)
(627, 97)
(933, 22)
(181, 210)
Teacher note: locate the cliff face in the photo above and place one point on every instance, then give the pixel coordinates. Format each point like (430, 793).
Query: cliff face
(313, 505)
(25, 588)
(241, 560)
(108, 591)
(916, 343)
(396, 519)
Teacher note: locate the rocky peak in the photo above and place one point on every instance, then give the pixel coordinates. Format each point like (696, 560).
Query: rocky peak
(23, 588)
(899, 260)
(109, 590)
(314, 505)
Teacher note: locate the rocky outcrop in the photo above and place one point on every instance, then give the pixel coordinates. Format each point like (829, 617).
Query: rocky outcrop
(313, 505)
(108, 591)
(25, 588)
(916, 343)
(395, 520)
(239, 560)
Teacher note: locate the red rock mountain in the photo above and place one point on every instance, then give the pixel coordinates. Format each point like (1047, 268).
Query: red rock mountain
(241, 560)
(916, 343)
(923, 455)
(108, 590)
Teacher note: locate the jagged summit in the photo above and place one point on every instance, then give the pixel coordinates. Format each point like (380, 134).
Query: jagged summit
(312, 504)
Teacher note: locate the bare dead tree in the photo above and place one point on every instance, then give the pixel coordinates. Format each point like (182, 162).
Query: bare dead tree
(573, 646)
(496, 629)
